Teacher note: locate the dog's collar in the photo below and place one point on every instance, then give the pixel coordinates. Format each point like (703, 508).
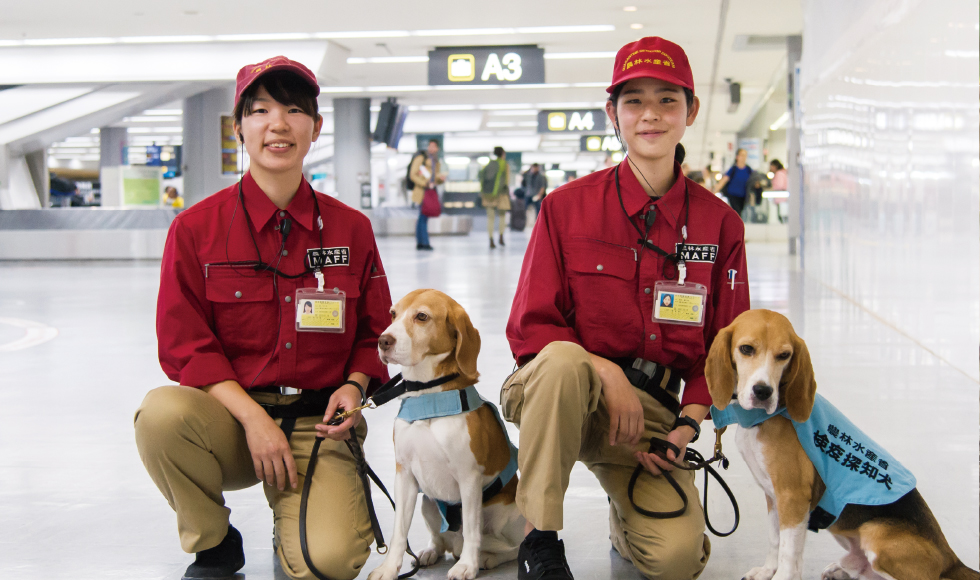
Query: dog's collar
(397, 387)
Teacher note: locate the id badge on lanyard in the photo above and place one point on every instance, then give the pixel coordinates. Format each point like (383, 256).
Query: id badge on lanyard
(319, 310)
(679, 302)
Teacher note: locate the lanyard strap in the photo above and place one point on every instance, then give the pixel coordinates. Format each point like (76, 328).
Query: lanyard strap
(643, 241)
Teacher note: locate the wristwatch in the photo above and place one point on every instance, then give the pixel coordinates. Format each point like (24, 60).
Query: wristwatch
(690, 423)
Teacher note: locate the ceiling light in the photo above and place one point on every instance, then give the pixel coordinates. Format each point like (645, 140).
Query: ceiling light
(636, 26)
(151, 119)
(387, 59)
(629, 8)
(306, 36)
(577, 55)
(164, 112)
(506, 106)
(513, 113)
(780, 121)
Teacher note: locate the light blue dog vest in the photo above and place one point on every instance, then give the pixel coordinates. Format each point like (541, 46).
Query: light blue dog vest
(855, 469)
(455, 402)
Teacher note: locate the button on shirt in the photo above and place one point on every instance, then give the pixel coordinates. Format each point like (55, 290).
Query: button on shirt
(217, 317)
(584, 278)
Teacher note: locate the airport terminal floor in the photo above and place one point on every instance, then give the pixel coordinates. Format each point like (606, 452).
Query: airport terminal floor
(75, 501)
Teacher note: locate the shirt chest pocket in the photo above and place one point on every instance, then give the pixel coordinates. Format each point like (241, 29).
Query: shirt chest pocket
(602, 282)
(242, 308)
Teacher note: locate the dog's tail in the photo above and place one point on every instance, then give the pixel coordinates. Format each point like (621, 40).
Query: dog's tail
(959, 571)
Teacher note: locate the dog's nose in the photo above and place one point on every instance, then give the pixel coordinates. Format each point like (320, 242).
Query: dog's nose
(386, 341)
(762, 392)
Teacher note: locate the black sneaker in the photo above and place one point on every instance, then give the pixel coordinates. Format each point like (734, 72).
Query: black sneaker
(220, 562)
(542, 557)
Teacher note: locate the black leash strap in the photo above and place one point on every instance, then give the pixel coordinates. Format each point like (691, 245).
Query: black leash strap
(397, 387)
(696, 461)
(364, 471)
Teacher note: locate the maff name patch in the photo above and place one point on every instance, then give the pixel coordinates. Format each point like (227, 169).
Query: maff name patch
(697, 252)
(328, 257)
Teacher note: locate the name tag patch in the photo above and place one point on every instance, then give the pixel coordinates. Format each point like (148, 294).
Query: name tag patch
(697, 252)
(328, 257)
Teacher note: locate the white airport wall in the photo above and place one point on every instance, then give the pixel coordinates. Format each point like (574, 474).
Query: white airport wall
(890, 155)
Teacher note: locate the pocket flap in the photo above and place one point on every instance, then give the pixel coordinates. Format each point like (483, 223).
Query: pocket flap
(601, 258)
(232, 287)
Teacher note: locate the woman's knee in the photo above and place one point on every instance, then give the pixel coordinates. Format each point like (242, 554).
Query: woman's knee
(165, 412)
(335, 561)
(677, 557)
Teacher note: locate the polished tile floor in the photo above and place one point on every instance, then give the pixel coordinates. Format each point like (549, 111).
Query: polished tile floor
(76, 503)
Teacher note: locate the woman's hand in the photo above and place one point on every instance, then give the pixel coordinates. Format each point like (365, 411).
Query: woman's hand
(345, 398)
(271, 456)
(655, 464)
(625, 410)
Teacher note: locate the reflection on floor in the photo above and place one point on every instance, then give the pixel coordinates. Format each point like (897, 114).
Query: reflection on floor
(75, 501)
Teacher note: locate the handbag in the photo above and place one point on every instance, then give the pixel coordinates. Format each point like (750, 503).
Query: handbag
(430, 203)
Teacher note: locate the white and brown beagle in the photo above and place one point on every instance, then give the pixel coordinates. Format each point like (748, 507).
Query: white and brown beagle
(459, 458)
(817, 469)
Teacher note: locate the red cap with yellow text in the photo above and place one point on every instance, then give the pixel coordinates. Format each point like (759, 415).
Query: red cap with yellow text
(250, 73)
(652, 57)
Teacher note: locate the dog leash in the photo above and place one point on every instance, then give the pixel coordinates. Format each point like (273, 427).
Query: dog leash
(696, 461)
(364, 472)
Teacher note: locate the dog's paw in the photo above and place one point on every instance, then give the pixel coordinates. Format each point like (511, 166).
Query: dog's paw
(463, 571)
(430, 556)
(489, 560)
(759, 573)
(383, 573)
(835, 572)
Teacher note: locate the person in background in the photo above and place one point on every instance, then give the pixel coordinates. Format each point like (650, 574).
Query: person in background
(425, 174)
(495, 192)
(171, 198)
(780, 181)
(737, 180)
(62, 191)
(709, 178)
(535, 185)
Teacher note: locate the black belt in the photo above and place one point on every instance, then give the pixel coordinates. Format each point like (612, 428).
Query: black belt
(659, 381)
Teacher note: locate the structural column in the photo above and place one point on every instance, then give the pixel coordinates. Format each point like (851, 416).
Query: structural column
(112, 142)
(201, 151)
(794, 50)
(352, 148)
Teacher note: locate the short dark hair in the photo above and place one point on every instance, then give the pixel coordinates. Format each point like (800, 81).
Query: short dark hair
(286, 88)
(535, 165)
(436, 141)
(777, 164)
(679, 153)
(498, 151)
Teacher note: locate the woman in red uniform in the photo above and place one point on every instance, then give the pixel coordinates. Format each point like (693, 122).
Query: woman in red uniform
(236, 267)
(629, 274)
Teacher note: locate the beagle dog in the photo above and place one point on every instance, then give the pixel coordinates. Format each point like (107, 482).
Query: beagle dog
(459, 458)
(817, 469)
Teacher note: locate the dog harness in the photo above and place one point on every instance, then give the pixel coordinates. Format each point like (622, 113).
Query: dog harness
(456, 402)
(855, 469)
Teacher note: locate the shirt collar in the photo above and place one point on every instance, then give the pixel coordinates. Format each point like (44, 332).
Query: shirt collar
(261, 209)
(635, 199)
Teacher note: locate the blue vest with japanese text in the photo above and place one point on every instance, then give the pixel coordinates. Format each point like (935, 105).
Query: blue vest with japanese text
(855, 469)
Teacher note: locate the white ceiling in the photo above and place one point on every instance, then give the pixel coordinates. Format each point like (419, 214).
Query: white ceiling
(693, 24)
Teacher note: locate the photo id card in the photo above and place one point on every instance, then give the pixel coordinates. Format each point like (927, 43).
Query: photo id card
(679, 303)
(320, 311)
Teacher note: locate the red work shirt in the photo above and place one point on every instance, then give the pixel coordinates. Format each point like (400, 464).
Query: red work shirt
(586, 280)
(218, 320)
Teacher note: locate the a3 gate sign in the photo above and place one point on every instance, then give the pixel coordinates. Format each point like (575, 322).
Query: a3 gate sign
(486, 65)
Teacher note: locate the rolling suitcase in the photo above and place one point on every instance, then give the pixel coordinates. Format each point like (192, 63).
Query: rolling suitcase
(518, 215)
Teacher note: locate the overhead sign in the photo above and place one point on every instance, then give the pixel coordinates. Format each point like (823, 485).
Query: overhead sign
(603, 143)
(569, 121)
(486, 65)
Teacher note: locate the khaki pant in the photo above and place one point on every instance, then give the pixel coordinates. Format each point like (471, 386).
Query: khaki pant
(556, 400)
(194, 450)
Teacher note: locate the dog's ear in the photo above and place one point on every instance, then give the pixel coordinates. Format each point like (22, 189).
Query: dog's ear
(467, 342)
(718, 369)
(801, 387)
